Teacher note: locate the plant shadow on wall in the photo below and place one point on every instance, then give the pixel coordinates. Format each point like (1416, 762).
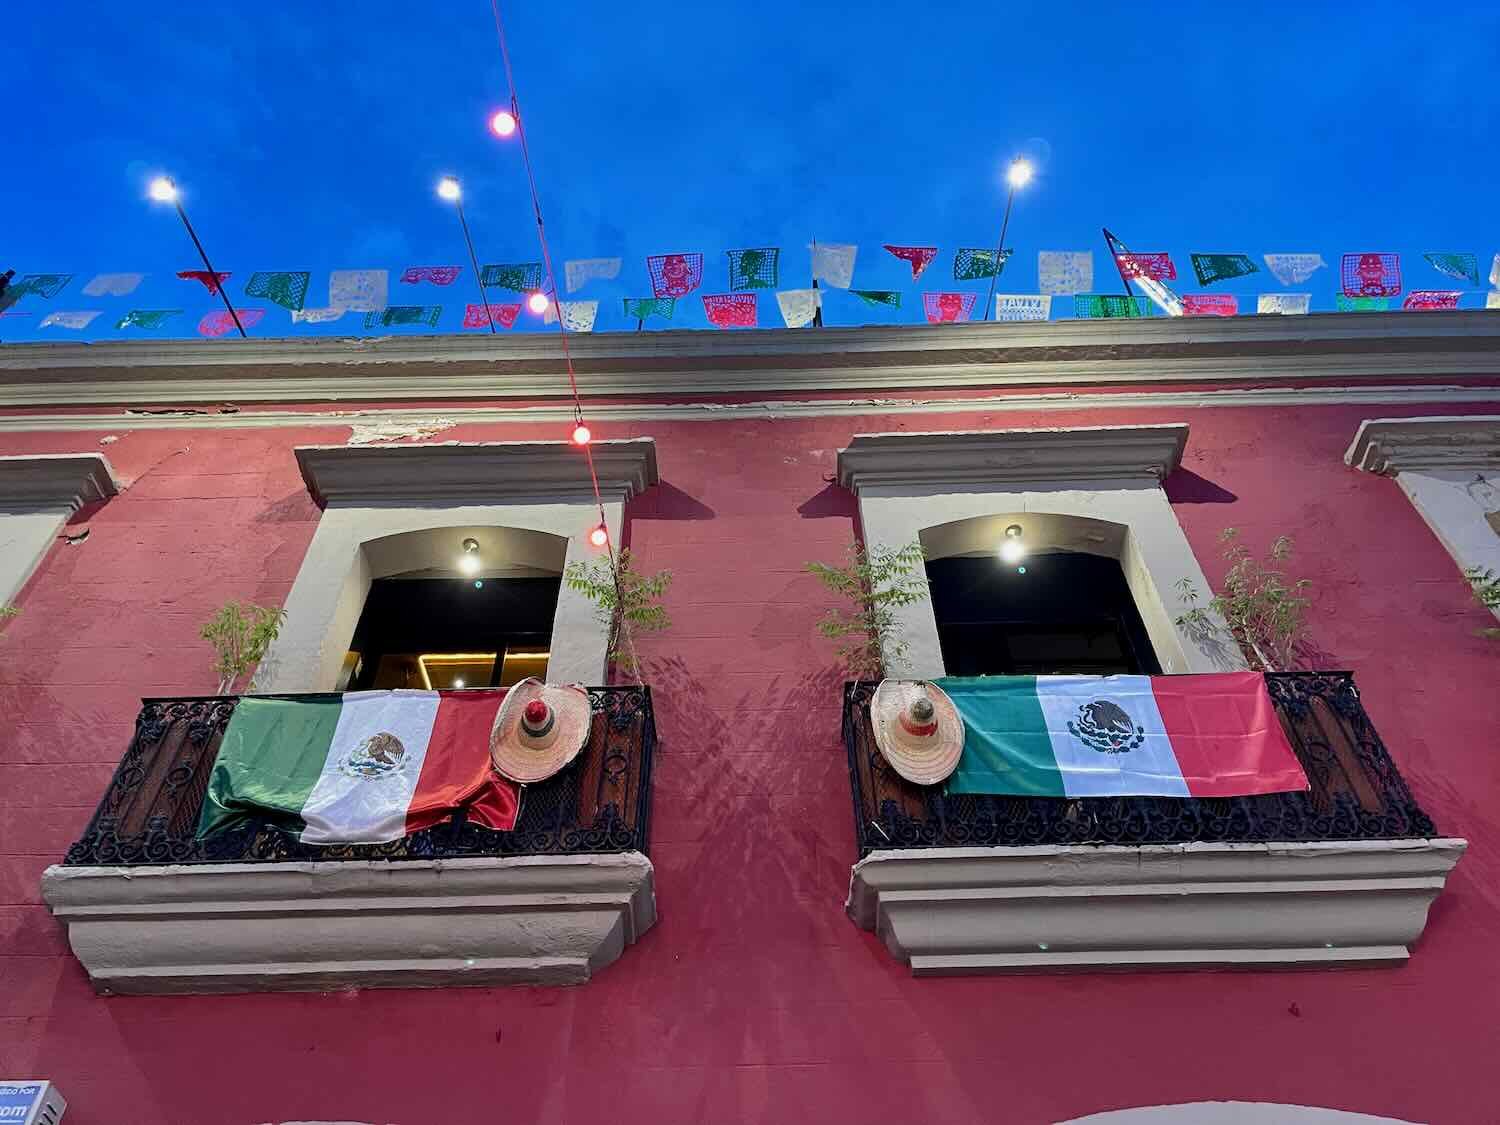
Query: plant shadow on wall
(877, 582)
(1264, 609)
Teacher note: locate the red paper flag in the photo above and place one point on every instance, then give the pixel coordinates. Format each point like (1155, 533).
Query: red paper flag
(438, 275)
(1210, 304)
(1425, 299)
(211, 281)
(675, 275)
(504, 315)
(220, 323)
(944, 308)
(1157, 266)
(919, 257)
(1371, 275)
(730, 310)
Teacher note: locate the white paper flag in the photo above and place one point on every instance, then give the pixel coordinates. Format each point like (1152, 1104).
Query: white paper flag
(580, 271)
(359, 290)
(1065, 271)
(1492, 300)
(113, 285)
(578, 316)
(1022, 306)
(316, 316)
(1288, 304)
(69, 319)
(833, 262)
(1495, 273)
(798, 306)
(1293, 269)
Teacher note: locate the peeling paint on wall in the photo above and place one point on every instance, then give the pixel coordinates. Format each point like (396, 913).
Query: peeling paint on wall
(370, 433)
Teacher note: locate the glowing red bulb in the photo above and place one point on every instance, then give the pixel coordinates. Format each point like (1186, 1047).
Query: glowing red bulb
(581, 434)
(537, 303)
(599, 536)
(503, 124)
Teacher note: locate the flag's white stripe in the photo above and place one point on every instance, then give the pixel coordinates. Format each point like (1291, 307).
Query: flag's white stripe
(1149, 769)
(370, 810)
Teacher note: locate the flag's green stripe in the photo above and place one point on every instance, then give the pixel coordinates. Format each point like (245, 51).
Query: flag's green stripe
(1006, 746)
(269, 760)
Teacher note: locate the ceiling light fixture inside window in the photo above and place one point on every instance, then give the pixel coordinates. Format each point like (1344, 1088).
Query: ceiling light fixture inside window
(469, 562)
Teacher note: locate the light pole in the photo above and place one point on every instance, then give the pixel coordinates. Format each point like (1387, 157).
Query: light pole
(1018, 175)
(449, 189)
(164, 190)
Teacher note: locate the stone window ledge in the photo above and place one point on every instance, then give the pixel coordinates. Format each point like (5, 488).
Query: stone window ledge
(1173, 906)
(255, 927)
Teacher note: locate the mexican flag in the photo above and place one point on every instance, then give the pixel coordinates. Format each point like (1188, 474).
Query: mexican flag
(1213, 735)
(365, 767)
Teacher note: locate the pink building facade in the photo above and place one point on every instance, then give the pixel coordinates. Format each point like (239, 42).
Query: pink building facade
(729, 961)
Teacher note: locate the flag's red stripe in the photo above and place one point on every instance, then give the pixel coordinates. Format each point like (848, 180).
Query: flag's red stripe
(457, 769)
(1226, 735)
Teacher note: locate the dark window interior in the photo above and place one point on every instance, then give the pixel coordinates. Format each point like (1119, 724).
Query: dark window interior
(1059, 612)
(452, 632)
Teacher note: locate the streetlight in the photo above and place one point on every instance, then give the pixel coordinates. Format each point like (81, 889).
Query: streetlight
(163, 189)
(448, 188)
(1018, 175)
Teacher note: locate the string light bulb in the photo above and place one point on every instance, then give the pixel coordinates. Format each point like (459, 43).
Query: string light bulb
(1019, 174)
(162, 189)
(448, 189)
(537, 303)
(581, 434)
(599, 536)
(503, 123)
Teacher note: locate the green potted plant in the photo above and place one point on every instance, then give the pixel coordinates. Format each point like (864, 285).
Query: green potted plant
(240, 634)
(876, 581)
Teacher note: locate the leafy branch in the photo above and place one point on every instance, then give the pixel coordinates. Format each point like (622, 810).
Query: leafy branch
(622, 596)
(877, 581)
(1263, 609)
(1486, 586)
(241, 634)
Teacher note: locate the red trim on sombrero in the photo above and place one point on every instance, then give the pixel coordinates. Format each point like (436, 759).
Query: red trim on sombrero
(920, 730)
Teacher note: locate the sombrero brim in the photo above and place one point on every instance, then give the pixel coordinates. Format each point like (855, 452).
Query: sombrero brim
(922, 762)
(513, 758)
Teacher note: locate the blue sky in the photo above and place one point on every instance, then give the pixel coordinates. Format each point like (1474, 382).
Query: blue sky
(309, 136)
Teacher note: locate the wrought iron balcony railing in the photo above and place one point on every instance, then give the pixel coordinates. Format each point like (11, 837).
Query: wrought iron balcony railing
(1357, 792)
(599, 803)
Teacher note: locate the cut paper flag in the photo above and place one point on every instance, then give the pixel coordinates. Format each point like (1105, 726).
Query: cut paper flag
(398, 315)
(833, 262)
(1207, 735)
(1428, 299)
(1293, 269)
(518, 277)
(973, 263)
(1022, 306)
(69, 319)
(1097, 306)
(1464, 267)
(317, 316)
(947, 308)
(504, 316)
(675, 275)
(798, 306)
(918, 257)
(359, 290)
(577, 316)
(1210, 304)
(756, 268)
(1065, 271)
(1220, 267)
(730, 310)
(1492, 300)
(639, 308)
(146, 318)
(113, 284)
(366, 767)
(44, 285)
(1495, 273)
(1347, 303)
(879, 297)
(1157, 291)
(1371, 275)
(209, 281)
(1286, 304)
(1157, 265)
(578, 272)
(289, 290)
(437, 275)
(220, 323)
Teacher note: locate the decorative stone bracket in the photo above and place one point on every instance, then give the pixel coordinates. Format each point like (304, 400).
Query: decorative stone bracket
(1170, 906)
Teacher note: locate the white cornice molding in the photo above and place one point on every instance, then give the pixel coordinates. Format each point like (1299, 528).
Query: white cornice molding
(964, 460)
(457, 473)
(1308, 349)
(54, 480)
(1389, 445)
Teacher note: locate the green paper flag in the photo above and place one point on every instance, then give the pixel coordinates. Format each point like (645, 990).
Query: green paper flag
(754, 269)
(146, 318)
(1093, 306)
(46, 285)
(518, 277)
(289, 290)
(972, 264)
(1465, 267)
(1218, 267)
(397, 315)
(878, 297)
(639, 308)
(1363, 304)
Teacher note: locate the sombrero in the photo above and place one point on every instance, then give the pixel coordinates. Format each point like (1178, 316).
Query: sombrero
(918, 729)
(539, 729)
